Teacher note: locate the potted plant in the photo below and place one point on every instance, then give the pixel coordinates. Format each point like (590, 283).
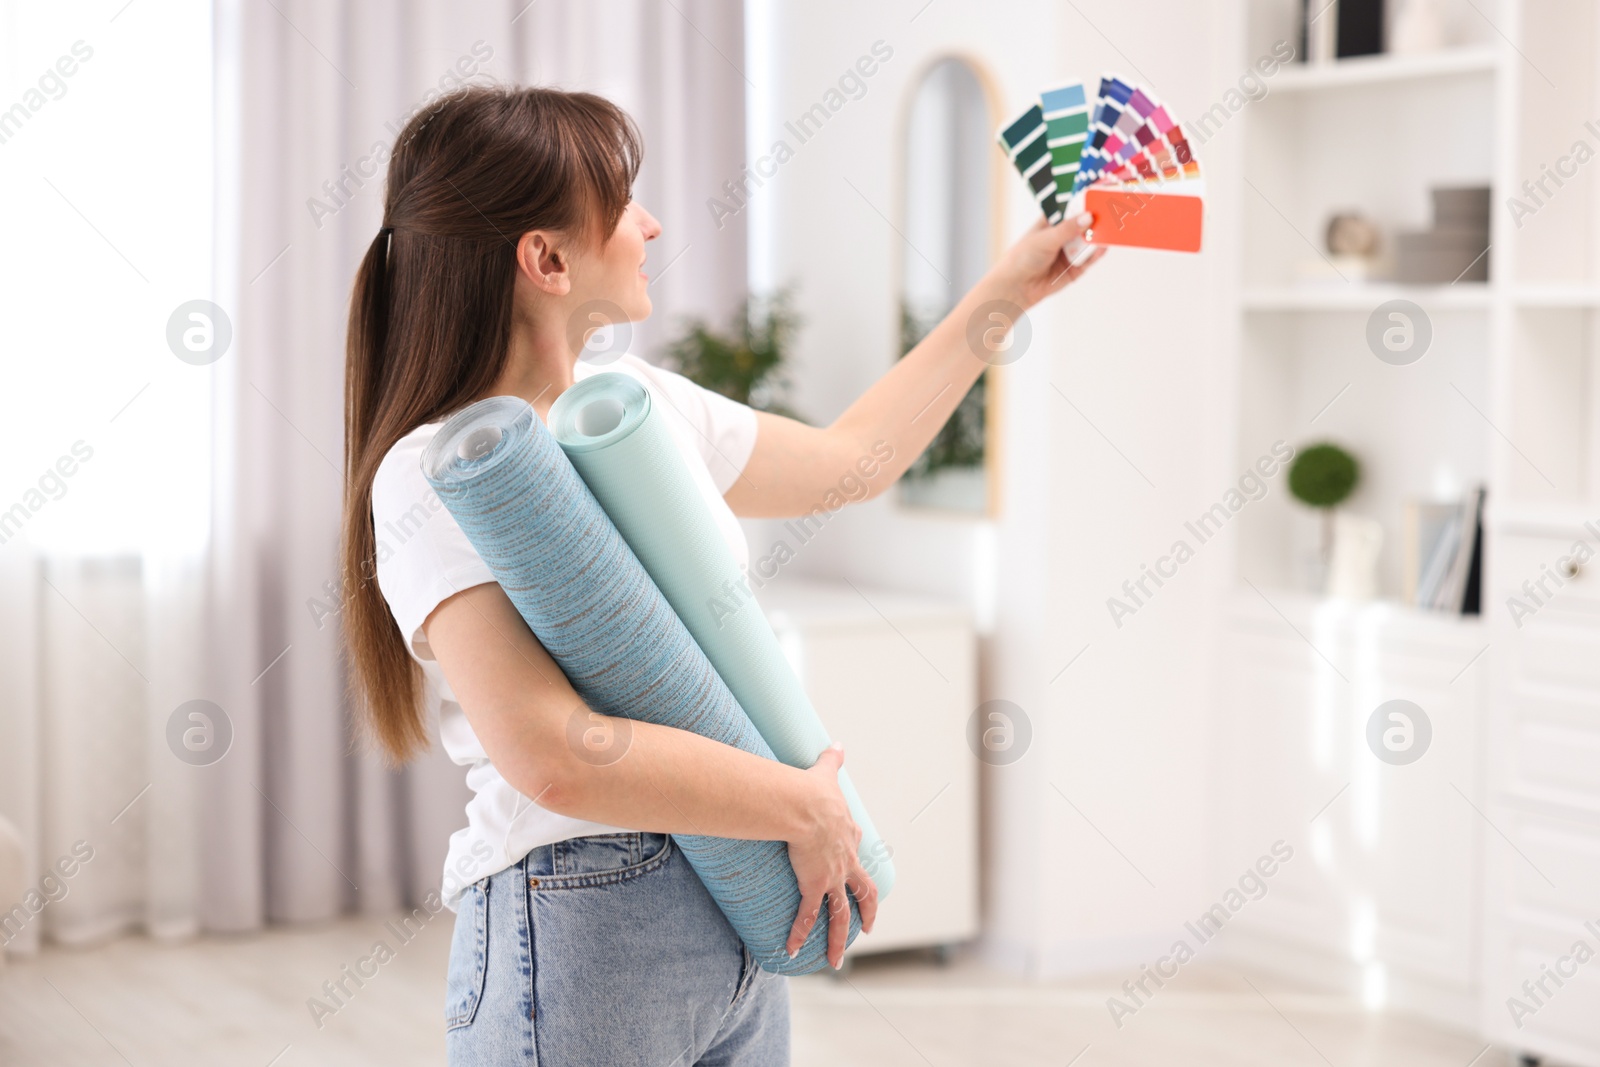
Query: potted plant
(747, 361)
(959, 442)
(1322, 477)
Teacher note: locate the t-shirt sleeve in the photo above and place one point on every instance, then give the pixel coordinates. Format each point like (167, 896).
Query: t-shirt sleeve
(724, 429)
(423, 558)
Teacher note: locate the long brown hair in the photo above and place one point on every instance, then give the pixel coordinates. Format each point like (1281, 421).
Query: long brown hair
(430, 314)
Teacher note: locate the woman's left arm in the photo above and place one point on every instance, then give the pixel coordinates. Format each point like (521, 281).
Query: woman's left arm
(794, 468)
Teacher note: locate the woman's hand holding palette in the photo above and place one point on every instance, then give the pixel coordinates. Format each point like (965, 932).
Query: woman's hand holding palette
(1117, 154)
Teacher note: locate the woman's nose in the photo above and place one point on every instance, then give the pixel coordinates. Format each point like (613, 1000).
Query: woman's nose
(648, 225)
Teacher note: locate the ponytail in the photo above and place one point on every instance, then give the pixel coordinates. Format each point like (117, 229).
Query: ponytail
(384, 676)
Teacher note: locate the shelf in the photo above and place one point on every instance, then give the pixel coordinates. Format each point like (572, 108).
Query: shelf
(1274, 604)
(1557, 295)
(1541, 518)
(1374, 70)
(1365, 297)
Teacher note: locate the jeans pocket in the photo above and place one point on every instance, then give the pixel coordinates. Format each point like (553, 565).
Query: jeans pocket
(604, 859)
(469, 955)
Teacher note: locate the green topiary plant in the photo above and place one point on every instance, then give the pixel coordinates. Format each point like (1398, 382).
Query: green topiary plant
(1323, 476)
(745, 363)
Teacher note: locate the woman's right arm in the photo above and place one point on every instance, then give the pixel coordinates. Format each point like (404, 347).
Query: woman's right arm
(657, 779)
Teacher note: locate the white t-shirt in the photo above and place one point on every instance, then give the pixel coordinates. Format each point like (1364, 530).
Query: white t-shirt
(424, 558)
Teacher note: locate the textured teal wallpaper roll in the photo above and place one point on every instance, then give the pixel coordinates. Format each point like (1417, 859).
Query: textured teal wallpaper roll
(586, 597)
(623, 448)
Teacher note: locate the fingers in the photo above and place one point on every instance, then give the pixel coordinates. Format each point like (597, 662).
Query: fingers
(1070, 269)
(1085, 262)
(837, 900)
(1084, 258)
(832, 757)
(838, 924)
(1073, 227)
(866, 893)
(804, 919)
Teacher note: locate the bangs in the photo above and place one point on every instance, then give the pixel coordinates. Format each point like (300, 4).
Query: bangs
(609, 154)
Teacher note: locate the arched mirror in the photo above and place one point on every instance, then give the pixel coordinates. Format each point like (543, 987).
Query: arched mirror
(949, 228)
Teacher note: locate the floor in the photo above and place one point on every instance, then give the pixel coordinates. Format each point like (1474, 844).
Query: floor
(244, 1001)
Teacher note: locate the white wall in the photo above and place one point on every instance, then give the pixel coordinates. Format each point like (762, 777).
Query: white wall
(1136, 347)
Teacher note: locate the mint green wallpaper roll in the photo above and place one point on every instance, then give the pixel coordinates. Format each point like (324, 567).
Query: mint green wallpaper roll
(625, 454)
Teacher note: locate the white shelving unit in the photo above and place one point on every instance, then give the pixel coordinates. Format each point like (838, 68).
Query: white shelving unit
(1377, 70)
(1507, 395)
(1331, 296)
(1542, 878)
(1556, 295)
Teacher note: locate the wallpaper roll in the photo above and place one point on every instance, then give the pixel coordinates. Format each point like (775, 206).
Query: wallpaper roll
(586, 597)
(624, 450)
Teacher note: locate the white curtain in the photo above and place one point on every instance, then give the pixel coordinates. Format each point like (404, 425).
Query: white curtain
(114, 619)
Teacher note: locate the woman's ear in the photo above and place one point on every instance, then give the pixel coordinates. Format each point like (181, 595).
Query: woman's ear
(543, 263)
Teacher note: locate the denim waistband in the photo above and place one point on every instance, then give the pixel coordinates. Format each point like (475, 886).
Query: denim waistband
(595, 859)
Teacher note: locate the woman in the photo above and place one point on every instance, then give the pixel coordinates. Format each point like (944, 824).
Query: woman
(582, 936)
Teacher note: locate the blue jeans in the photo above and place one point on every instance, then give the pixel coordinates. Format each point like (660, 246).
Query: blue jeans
(606, 950)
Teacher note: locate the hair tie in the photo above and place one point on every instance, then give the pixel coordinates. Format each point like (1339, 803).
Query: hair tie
(386, 233)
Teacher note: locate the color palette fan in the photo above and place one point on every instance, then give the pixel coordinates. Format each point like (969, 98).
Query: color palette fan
(1115, 152)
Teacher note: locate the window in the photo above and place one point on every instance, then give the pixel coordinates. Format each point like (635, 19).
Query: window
(107, 172)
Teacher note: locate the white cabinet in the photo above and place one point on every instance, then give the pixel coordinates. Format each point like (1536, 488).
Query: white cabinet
(1381, 898)
(1436, 887)
(894, 677)
(1543, 877)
